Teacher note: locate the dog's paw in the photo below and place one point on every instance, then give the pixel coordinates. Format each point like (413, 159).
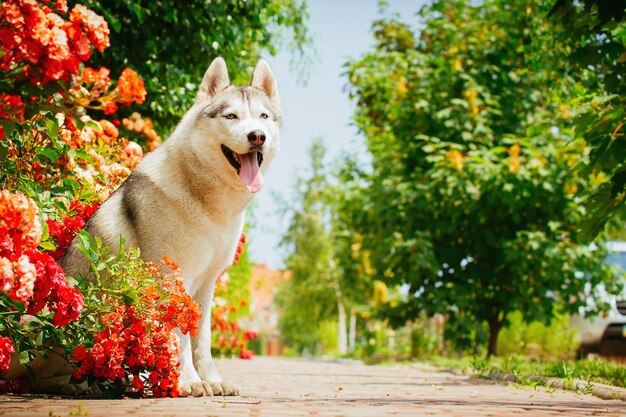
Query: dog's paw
(224, 388)
(195, 389)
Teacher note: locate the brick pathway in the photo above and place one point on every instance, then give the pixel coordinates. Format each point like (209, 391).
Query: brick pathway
(296, 387)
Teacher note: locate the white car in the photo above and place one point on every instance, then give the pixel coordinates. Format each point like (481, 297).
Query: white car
(606, 333)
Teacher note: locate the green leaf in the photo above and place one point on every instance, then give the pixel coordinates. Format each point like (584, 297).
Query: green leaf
(52, 127)
(26, 356)
(50, 154)
(47, 246)
(92, 124)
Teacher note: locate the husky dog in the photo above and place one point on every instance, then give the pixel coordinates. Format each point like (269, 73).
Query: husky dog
(187, 199)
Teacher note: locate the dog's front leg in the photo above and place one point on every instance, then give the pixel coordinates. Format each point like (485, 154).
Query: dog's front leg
(201, 347)
(189, 380)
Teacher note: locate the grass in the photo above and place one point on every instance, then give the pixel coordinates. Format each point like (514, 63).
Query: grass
(598, 370)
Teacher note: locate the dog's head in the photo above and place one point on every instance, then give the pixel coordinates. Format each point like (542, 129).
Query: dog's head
(240, 126)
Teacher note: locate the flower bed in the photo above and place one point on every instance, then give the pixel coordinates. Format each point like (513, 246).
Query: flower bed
(58, 163)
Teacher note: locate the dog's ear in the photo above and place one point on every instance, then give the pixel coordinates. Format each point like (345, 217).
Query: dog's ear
(215, 80)
(263, 79)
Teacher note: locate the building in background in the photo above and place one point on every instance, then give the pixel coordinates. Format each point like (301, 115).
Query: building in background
(263, 285)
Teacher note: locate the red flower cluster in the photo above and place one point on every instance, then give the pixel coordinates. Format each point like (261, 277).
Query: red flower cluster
(15, 386)
(93, 25)
(138, 342)
(11, 108)
(130, 345)
(228, 337)
(17, 276)
(246, 354)
(63, 232)
(250, 335)
(29, 276)
(18, 221)
(240, 245)
(53, 290)
(247, 336)
(6, 349)
(19, 228)
(181, 311)
(49, 47)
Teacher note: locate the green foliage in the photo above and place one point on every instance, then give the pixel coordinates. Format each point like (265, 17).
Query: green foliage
(594, 371)
(231, 307)
(601, 371)
(171, 43)
(538, 340)
(464, 335)
(425, 340)
(470, 203)
(237, 293)
(375, 344)
(595, 33)
(309, 296)
(111, 278)
(327, 337)
(53, 152)
(480, 364)
(37, 143)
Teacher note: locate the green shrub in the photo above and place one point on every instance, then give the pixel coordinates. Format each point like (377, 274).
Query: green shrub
(537, 340)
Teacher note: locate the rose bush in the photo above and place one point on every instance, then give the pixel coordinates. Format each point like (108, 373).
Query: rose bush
(57, 164)
(230, 305)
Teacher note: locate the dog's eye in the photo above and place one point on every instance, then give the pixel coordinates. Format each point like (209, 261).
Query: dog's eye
(231, 116)
(264, 116)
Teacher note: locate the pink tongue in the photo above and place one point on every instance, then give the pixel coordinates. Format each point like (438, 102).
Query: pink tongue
(249, 172)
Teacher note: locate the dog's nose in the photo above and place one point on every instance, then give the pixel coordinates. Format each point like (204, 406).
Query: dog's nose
(256, 137)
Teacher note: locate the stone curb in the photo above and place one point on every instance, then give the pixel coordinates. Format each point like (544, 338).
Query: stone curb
(606, 392)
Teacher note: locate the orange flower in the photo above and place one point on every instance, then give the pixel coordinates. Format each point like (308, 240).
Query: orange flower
(514, 163)
(109, 130)
(456, 159)
(18, 219)
(26, 275)
(130, 87)
(169, 263)
(99, 77)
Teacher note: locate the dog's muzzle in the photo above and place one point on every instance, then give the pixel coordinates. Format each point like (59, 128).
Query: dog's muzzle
(235, 159)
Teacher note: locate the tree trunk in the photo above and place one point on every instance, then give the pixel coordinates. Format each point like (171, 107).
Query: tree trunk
(342, 341)
(352, 332)
(495, 325)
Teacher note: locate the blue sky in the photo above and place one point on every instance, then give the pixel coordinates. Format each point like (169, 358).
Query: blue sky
(319, 109)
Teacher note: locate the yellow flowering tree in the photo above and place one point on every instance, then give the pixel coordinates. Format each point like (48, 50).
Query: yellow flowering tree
(470, 203)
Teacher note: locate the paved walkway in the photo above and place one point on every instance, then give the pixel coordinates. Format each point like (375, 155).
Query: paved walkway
(296, 387)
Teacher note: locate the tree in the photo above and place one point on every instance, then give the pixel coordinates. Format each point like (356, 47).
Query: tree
(171, 44)
(595, 33)
(470, 204)
(314, 292)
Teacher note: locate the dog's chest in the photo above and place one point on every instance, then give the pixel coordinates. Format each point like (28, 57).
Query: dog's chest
(205, 250)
